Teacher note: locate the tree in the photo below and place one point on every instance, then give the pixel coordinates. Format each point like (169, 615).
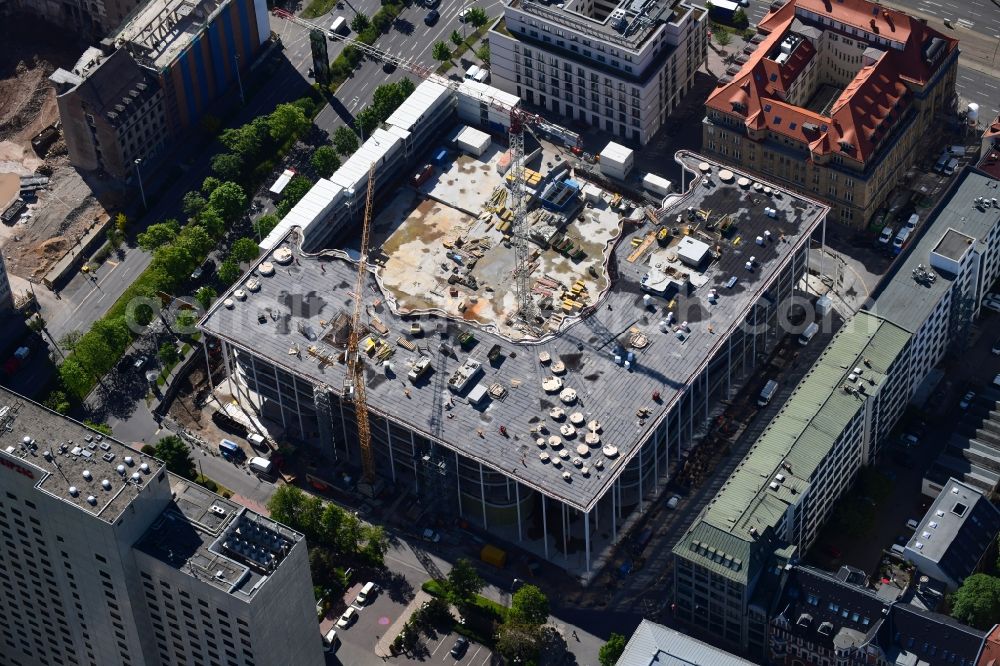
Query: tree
(477, 16)
(148, 449)
(376, 545)
(209, 185)
(120, 223)
(248, 141)
(307, 105)
(211, 221)
(406, 87)
(287, 121)
(456, 38)
(196, 241)
(176, 455)
(360, 22)
(57, 401)
(168, 354)
(464, 582)
(519, 643)
(227, 166)
(440, 51)
(324, 161)
(611, 651)
(176, 261)
(529, 605)
(721, 35)
(366, 120)
(75, 377)
(184, 322)
(244, 250)
(229, 271)
(740, 19)
(158, 235)
(193, 203)
(977, 602)
(36, 324)
(205, 296)
(266, 224)
(102, 428)
(114, 331)
(69, 340)
(345, 140)
(484, 52)
(297, 188)
(229, 200)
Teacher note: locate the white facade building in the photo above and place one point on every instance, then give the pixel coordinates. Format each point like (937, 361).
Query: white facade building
(622, 68)
(109, 560)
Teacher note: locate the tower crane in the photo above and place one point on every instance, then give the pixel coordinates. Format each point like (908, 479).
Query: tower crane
(520, 120)
(354, 378)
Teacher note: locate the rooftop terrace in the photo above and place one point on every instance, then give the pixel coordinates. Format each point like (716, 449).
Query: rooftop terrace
(217, 541)
(68, 460)
(563, 381)
(159, 30)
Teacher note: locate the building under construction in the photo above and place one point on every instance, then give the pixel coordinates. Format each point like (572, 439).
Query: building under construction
(549, 430)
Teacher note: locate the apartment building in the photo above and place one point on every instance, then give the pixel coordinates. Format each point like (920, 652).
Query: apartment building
(824, 618)
(621, 67)
(772, 507)
(127, 101)
(91, 18)
(108, 559)
(837, 99)
(653, 644)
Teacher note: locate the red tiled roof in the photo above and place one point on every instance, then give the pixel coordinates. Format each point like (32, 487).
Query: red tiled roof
(993, 129)
(867, 108)
(990, 164)
(991, 649)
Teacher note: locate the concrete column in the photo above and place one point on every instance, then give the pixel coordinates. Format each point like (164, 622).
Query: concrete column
(586, 538)
(482, 493)
(563, 509)
(517, 500)
(640, 478)
(458, 485)
(614, 512)
(416, 465)
(298, 406)
(208, 366)
(229, 369)
(260, 399)
(708, 389)
(545, 527)
(729, 368)
(388, 439)
(281, 401)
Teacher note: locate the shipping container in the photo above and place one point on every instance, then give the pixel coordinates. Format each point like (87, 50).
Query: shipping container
(493, 555)
(616, 161)
(656, 185)
(472, 141)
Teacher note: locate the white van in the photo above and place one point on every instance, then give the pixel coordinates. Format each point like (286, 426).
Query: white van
(472, 72)
(261, 466)
(330, 641)
(257, 440)
(807, 335)
(951, 166)
(911, 223)
(366, 593)
(463, 15)
(886, 236)
(766, 393)
(339, 26)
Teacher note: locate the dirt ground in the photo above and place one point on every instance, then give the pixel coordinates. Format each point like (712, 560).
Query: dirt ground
(62, 213)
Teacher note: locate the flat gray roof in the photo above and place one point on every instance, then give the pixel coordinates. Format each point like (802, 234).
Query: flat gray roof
(61, 454)
(293, 310)
(953, 244)
(217, 541)
(907, 302)
(946, 519)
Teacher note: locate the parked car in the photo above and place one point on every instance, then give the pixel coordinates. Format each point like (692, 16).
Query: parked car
(463, 15)
(967, 400)
(432, 17)
(365, 595)
(348, 618)
(886, 236)
(330, 641)
(459, 648)
(140, 362)
(912, 524)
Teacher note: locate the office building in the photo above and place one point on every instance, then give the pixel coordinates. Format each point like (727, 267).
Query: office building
(484, 434)
(972, 453)
(838, 99)
(622, 68)
(654, 644)
(955, 536)
(90, 18)
(774, 504)
(153, 79)
(108, 559)
(823, 618)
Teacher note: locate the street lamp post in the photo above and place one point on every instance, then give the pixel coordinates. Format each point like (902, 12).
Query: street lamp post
(138, 173)
(239, 81)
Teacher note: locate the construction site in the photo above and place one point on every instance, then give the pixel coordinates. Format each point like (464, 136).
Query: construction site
(538, 367)
(46, 205)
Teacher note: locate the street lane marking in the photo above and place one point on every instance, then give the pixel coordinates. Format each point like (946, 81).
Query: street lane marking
(440, 643)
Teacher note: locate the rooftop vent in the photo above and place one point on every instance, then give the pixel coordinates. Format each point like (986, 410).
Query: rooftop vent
(121, 470)
(91, 500)
(105, 484)
(129, 461)
(73, 491)
(145, 468)
(137, 477)
(87, 475)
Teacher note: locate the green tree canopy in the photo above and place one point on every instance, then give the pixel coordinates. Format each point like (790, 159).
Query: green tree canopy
(57, 401)
(195, 240)
(366, 120)
(456, 38)
(266, 224)
(464, 582)
(519, 643)
(440, 51)
(360, 22)
(229, 200)
(529, 605)
(193, 203)
(227, 166)
(307, 105)
(159, 234)
(324, 161)
(205, 296)
(102, 428)
(209, 185)
(977, 602)
(167, 353)
(75, 377)
(174, 452)
(229, 271)
(477, 16)
(293, 193)
(69, 340)
(484, 52)
(611, 651)
(211, 221)
(244, 250)
(287, 121)
(345, 141)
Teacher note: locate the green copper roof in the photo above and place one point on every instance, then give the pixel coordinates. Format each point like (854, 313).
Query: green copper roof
(741, 520)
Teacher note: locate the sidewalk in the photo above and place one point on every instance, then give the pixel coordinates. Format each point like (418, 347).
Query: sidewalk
(382, 647)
